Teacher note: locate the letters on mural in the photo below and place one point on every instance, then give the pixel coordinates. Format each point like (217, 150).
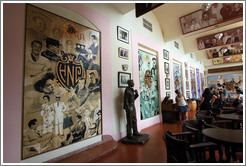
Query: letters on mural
(62, 83)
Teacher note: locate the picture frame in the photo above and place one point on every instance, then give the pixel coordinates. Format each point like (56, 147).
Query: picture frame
(167, 83)
(187, 84)
(168, 93)
(58, 33)
(225, 38)
(195, 21)
(166, 67)
(187, 94)
(122, 34)
(177, 76)
(186, 74)
(166, 54)
(123, 53)
(123, 77)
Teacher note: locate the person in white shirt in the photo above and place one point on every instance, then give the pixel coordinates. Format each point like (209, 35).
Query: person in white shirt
(60, 108)
(182, 105)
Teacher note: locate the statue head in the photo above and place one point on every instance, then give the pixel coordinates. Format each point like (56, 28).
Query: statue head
(130, 83)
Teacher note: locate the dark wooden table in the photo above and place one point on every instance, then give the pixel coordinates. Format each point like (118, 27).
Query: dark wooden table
(230, 139)
(236, 119)
(233, 117)
(227, 110)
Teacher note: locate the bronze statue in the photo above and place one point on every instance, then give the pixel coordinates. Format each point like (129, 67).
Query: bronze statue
(129, 98)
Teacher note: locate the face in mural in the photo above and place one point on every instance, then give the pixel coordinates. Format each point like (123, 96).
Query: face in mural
(177, 84)
(147, 78)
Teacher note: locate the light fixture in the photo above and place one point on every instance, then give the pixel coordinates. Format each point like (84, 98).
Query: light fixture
(205, 6)
(218, 36)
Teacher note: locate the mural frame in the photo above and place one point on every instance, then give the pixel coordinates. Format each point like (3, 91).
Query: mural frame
(148, 83)
(210, 41)
(178, 76)
(194, 83)
(197, 17)
(46, 84)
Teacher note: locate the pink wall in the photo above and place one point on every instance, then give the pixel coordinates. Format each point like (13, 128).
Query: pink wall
(13, 56)
(137, 39)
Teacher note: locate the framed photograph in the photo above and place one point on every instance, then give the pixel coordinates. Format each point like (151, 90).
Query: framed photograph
(123, 78)
(167, 82)
(122, 34)
(166, 54)
(216, 14)
(168, 93)
(187, 85)
(49, 78)
(166, 68)
(186, 73)
(227, 37)
(123, 53)
(187, 94)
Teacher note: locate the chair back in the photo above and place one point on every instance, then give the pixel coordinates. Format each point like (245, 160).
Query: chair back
(176, 148)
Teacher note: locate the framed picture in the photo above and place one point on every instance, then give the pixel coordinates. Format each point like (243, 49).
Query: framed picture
(216, 14)
(148, 84)
(187, 94)
(187, 85)
(50, 77)
(122, 34)
(167, 82)
(123, 53)
(166, 68)
(230, 36)
(123, 78)
(168, 93)
(176, 44)
(186, 73)
(166, 54)
(177, 75)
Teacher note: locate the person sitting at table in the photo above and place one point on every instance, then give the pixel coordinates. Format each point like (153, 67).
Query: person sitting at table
(207, 99)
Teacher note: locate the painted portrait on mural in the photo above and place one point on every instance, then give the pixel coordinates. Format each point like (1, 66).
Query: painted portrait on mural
(148, 83)
(231, 82)
(198, 83)
(177, 76)
(193, 82)
(62, 83)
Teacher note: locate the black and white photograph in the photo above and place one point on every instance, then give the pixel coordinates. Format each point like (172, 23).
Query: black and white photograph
(166, 68)
(187, 94)
(123, 78)
(186, 73)
(167, 82)
(187, 85)
(166, 54)
(122, 34)
(168, 94)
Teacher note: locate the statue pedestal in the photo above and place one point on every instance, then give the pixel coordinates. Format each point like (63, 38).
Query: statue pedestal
(136, 140)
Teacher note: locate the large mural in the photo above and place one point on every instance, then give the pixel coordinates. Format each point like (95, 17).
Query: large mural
(177, 77)
(231, 82)
(149, 99)
(62, 83)
(193, 82)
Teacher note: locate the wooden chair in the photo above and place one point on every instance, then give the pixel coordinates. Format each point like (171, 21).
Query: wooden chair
(180, 150)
